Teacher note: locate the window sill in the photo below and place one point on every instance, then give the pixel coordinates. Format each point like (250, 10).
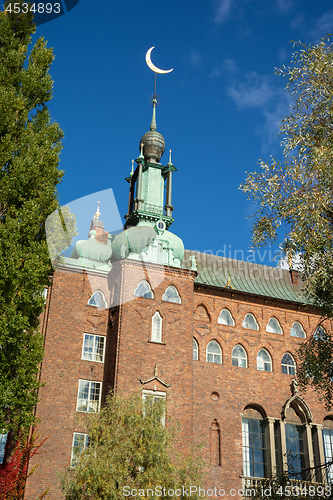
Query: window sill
(154, 342)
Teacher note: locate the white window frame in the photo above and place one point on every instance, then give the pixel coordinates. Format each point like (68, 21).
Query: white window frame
(219, 319)
(91, 404)
(264, 362)
(156, 336)
(269, 329)
(86, 443)
(156, 395)
(302, 329)
(214, 353)
(94, 353)
(288, 366)
(255, 321)
(238, 357)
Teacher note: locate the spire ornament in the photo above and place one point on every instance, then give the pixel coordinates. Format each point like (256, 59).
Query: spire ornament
(98, 213)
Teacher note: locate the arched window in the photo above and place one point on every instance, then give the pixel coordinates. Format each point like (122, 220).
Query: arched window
(97, 299)
(225, 318)
(171, 295)
(295, 444)
(156, 328)
(254, 444)
(195, 350)
(238, 356)
(328, 447)
(273, 326)
(288, 364)
(214, 352)
(320, 334)
(250, 322)
(144, 290)
(297, 330)
(264, 362)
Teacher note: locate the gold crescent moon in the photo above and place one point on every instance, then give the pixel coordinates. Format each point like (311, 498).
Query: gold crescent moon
(152, 66)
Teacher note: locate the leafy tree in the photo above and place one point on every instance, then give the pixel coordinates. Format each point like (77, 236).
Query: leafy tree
(297, 193)
(29, 154)
(14, 474)
(130, 449)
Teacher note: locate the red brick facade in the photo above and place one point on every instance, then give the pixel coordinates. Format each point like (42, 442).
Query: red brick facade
(207, 398)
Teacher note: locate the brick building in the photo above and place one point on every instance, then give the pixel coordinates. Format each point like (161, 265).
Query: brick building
(217, 337)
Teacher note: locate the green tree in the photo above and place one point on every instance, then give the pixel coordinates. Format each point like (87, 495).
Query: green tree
(130, 449)
(29, 154)
(297, 193)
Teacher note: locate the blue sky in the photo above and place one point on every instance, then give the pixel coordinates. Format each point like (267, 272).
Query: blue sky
(219, 109)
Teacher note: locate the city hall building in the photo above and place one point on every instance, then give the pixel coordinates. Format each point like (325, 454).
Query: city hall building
(216, 337)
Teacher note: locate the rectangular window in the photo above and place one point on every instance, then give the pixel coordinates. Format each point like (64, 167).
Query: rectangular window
(295, 451)
(80, 442)
(3, 441)
(154, 397)
(254, 448)
(93, 347)
(89, 396)
(328, 451)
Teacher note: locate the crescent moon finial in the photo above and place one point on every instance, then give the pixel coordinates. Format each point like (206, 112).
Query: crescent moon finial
(152, 66)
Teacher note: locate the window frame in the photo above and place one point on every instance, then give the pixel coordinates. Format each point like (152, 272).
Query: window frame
(83, 345)
(155, 395)
(95, 305)
(255, 321)
(231, 316)
(264, 362)
(195, 343)
(143, 296)
(279, 326)
(286, 365)
(179, 301)
(214, 354)
(234, 357)
(302, 328)
(86, 444)
(249, 450)
(160, 332)
(90, 402)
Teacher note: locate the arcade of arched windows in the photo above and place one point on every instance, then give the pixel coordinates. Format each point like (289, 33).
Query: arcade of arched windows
(293, 445)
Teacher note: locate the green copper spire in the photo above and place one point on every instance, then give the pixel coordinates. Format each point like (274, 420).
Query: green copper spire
(153, 125)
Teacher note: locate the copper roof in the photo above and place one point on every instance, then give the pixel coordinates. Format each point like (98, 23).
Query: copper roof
(242, 276)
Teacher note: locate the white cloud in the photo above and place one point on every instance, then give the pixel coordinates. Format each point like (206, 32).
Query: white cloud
(228, 67)
(195, 58)
(322, 26)
(255, 91)
(284, 5)
(221, 10)
(273, 102)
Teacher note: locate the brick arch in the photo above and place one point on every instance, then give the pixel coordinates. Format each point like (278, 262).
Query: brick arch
(201, 313)
(254, 407)
(215, 443)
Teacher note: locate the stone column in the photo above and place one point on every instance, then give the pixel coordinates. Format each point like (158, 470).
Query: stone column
(321, 454)
(308, 446)
(168, 206)
(271, 457)
(283, 446)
